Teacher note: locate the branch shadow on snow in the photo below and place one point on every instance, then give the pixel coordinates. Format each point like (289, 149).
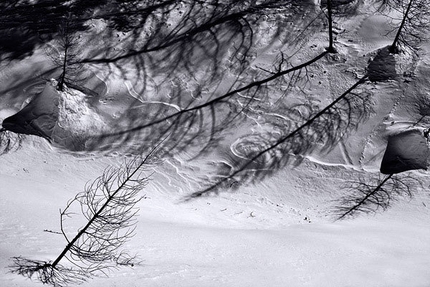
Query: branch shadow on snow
(181, 57)
(193, 53)
(370, 195)
(180, 50)
(26, 25)
(294, 132)
(198, 42)
(407, 150)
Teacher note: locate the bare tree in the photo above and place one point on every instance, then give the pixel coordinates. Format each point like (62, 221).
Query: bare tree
(413, 23)
(66, 53)
(108, 205)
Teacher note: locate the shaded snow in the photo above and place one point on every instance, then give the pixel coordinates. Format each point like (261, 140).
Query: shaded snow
(77, 120)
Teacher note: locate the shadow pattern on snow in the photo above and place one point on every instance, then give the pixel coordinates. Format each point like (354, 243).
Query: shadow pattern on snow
(182, 50)
(170, 39)
(370, 195)
(27, 24)
(190, 63)
(295, 132)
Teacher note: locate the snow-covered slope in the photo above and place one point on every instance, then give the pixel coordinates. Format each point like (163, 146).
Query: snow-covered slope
(279, 232)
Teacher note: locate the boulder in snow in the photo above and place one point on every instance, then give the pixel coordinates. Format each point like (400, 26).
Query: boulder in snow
(39, 117)
(405, 151)
(382, 67)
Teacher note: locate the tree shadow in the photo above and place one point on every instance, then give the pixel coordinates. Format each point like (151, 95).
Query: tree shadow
(373, 194)
(26, 25)
(200, 42)
(185, 55)
(292, 133)
(196, 60)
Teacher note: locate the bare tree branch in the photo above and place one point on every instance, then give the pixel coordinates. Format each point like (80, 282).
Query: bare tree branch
(109, 206)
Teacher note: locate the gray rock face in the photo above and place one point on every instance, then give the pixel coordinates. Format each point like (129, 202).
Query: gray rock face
(382, 67)
(406, 151)
(39, 117)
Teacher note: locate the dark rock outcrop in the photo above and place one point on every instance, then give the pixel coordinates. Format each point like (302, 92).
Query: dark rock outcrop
(382, 67)
(39, 117)
(405, 151)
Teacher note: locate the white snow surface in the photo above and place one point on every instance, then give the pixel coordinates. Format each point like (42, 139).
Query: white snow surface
(262, 236)
(279, 232)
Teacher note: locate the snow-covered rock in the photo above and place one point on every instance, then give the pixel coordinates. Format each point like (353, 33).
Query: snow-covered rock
(65, 117)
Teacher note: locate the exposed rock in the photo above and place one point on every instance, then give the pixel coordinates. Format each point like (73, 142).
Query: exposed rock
(405, 151)
(39, 117)
(382, 67)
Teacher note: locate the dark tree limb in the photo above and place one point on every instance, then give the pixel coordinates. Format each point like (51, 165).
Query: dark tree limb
(393, 47)
(109, 206)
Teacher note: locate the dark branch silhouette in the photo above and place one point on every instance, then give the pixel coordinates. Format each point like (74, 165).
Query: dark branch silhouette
(413, 24)
(108, 205)
(393, 47)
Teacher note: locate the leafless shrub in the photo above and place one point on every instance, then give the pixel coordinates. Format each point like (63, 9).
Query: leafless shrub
(108, 206)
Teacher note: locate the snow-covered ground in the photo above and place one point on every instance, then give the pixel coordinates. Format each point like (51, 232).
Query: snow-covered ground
(273, 234)
(280, 232)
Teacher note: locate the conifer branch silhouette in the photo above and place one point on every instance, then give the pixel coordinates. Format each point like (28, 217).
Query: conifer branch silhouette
(108, 205)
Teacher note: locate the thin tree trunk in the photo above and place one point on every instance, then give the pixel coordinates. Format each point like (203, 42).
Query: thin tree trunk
(393, 48)
(97, 214)
(330, 48)
(63, 74)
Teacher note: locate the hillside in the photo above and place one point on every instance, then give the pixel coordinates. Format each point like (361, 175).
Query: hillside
(276, 223)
